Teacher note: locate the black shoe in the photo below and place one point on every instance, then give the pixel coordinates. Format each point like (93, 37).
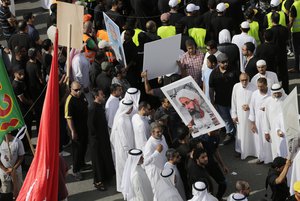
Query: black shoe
(228, 139)
(86, 167)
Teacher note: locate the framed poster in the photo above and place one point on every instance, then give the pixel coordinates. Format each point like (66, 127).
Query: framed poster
(193, 107)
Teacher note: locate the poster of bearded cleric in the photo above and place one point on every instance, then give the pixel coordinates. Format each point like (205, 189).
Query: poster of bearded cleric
(193, 107)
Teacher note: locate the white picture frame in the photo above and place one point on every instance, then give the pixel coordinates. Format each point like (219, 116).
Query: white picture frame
(203, 118)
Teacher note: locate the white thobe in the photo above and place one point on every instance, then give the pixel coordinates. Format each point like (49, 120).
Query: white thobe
(273, 122)
(205, 79)
(240, 40)
(178, 184)
(270, 76)
(81, 69)
(111, 107)
(244, 142)
(123, 140)
(141, 185)
(153, 160)
(166, 191)
(257, 105)
(237, 196)
(295, 175)
(141, 129)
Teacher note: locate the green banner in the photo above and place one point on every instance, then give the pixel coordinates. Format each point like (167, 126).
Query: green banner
(10, 114)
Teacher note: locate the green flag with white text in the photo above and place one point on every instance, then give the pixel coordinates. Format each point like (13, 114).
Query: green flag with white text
(10, 114)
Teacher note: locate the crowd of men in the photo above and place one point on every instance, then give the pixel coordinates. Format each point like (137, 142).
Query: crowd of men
(235, 51)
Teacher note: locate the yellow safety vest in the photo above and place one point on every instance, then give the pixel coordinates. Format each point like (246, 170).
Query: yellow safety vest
(166, 31)
(281, 19)
(198, 34)
(254, 29)
(296, 24)
(135, 37)
(283, 7)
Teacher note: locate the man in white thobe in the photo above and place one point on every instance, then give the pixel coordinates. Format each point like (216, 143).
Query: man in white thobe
(122, 138)
(112, 104)
(173, 158)
(240, 40)
(140, 124)
(165, 188)
(274, 129)
(242, 192)
(240, 100)
(262, 72)
(155, 154)
(135, 183)
(133, 94)
(256, 116)
(200, 193)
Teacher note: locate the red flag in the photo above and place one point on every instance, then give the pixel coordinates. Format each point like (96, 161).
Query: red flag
(41, 182)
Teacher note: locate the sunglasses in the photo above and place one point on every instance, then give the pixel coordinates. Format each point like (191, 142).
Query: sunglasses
(76, 90)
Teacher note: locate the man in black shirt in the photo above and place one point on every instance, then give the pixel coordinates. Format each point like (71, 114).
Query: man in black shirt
(196, 169)
(76, 113)
(250, 65)
(277, 179)
(221, 82)
(7, 20)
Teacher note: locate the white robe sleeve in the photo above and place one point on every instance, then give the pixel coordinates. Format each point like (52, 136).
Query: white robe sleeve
(150, 157)
(123, 136)
(252, 109)
(233, 102)
(267, 126)
(139, 133)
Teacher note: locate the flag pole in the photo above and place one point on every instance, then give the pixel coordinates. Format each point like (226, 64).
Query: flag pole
(68, 54)
(29, 142)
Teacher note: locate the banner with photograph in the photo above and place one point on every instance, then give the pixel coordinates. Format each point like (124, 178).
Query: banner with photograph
(193, 107)
(115, 41)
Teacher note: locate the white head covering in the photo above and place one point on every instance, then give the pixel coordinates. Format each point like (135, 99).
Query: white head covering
(224, 36)
(124, 107)
(261, 62)
(165, 189)
(133, 94)
(237, 197)
(200, 192)
(134, 156)
(188, 94)
(278, 88)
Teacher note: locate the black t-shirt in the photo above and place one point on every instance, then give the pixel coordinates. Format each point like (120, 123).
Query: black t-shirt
(218, 24)
(250, 67)
(269, 52)
(210, 144)
(223, 83)
(47, 60)
(279, 191)
(77, 110)
(197, 173)
(175, 18)
(19, 88)
(33, 74)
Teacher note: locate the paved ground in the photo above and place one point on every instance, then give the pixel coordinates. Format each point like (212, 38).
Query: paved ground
(84, 190)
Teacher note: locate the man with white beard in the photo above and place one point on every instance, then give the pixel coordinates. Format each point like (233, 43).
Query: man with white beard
(155, 154)
(135, 183)
(262, 72)
(256, 116)
(122, 138)
(240, 100)
(200, 193)
(274, 131)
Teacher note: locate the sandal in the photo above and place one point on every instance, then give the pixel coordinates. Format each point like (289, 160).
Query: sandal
(100, 186)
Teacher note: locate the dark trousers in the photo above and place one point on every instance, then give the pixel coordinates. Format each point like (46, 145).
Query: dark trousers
(79, 149)
(216, 173)
(296, 45)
